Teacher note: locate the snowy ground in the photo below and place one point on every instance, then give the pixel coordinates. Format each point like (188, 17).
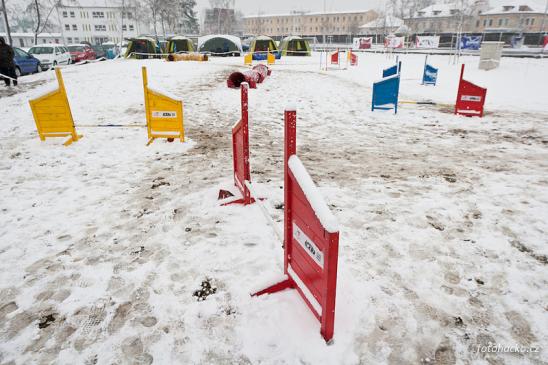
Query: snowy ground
(444, 219)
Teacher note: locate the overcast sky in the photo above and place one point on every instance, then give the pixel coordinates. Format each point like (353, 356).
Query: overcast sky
(251, 7)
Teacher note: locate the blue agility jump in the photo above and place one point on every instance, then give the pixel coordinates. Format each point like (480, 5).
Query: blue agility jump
(386, 91)
(430, 75)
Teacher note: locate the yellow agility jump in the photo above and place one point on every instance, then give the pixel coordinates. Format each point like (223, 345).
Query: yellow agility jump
(52, 113)
(164, 113)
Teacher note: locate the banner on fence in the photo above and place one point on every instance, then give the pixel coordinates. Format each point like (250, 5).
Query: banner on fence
(427, 41)
(471, 42)
(470, 98)
(52, 114)
(362, 43)
(311, 238)
(394, 42)
(164, 113)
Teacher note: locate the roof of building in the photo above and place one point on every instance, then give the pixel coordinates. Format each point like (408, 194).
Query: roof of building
(95, 4)
(308, 13)
(437, 10)
(389, 21)
(514, 7)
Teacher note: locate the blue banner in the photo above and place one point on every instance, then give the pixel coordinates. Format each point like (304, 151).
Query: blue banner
(430, 75)
(470, 42)
(385, 94)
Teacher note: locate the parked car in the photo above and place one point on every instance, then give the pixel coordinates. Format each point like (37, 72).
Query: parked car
(99, 51)
(51, 55)
(81, 52)
(25, 63)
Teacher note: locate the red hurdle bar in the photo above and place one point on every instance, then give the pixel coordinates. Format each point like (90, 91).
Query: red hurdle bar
(310, 248)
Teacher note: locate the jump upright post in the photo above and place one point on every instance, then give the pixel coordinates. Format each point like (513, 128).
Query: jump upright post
(311, 238)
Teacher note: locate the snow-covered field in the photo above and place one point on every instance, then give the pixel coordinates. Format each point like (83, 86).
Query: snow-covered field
(444, 219)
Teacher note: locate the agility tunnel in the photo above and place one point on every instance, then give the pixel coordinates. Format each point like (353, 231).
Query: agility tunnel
(253, 77)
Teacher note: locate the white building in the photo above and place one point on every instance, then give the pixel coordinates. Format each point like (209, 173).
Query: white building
(26, 40)
(98, 21)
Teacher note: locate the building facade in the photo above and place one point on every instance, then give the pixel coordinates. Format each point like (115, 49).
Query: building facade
(98, 22)
(444, 18)
(219, 21)
(308, 24)
(26, 40)
(513, 19)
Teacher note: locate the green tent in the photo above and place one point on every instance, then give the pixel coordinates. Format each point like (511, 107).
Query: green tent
(139, 45)
(179, 44)
(294, 46)
(263, 44)
(220, 45)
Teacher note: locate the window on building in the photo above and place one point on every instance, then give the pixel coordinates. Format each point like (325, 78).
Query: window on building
(69, 39)
(131, 27)
(72, 14)
(98, 14)
(527, 21)
(100, 28)
(506, 21)
(500, 22)
(490, 22)
(21, 42)
(76, 40)
(124, 27)
(74, 27)
(67, 26)
(477, 24)
(65, 14)
(532, 21)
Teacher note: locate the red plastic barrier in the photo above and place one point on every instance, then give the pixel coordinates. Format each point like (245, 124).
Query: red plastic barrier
(353, 58)
(335, 58)
(310, 250)
(253, 77)
(240, 151)
(470, 98)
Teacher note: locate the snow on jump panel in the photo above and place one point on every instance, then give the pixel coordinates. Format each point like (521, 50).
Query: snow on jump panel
(311, 238)
(470, 98)
(240, 150)
(164, 113)
(52, 114)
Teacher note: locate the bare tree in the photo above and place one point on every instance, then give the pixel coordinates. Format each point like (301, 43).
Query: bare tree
(6, 22)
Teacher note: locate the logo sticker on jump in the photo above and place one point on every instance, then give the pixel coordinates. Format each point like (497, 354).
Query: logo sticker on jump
(162, 114)
(470, 98)
(308, 245)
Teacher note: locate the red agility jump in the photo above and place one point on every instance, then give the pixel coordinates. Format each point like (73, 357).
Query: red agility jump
(240, 151)
(311, 238)
(470, 98)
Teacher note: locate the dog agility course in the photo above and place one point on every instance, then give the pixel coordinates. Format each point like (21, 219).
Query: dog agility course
(344, 208)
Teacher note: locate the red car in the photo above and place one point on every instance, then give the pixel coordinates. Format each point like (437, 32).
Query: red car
(81, 52)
